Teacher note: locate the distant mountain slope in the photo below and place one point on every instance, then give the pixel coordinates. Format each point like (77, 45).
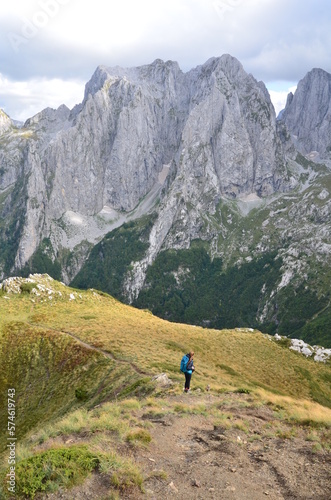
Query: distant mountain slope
(155, 160)
(271, 265)
(307, 114)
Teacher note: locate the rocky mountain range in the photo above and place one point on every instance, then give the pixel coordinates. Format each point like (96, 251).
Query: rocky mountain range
(181, 193)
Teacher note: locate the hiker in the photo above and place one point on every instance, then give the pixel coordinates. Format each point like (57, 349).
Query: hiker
(188, 371)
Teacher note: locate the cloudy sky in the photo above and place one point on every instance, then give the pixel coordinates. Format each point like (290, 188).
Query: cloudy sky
(50, 48)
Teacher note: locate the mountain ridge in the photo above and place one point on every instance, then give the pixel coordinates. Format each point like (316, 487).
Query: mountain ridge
(201, 157)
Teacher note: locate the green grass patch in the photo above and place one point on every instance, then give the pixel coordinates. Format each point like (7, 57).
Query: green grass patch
(228, 369)
(183, 409)
(27, 287)
(52, 469)
(139, 436)
(124, 475)
(64, 467)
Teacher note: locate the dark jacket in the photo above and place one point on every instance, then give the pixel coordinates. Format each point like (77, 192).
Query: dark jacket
(189, 367)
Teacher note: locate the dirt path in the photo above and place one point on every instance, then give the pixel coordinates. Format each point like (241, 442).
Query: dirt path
(206, 462)
(254, 456)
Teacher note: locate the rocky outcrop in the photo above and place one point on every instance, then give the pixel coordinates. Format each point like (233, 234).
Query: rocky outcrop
(318, 353)
(307, 114)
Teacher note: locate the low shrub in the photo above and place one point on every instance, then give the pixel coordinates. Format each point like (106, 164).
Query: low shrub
(139, 435)
(49, 470)
(27, 287)
(242, 390)
(81, 394)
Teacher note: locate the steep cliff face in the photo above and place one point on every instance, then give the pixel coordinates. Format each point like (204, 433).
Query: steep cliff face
(231, 130)
(5, 122)
(211, 131)
(307, 114)
(230, 149)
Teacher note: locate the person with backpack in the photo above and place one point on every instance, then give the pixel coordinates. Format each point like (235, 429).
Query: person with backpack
(187, 367)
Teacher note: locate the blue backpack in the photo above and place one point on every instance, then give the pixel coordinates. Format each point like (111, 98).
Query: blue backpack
(183, 363)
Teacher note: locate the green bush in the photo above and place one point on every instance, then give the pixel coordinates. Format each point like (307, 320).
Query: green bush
(54, 468)
(284, 342)
(27, 287)
(81, 394)
(242, 390)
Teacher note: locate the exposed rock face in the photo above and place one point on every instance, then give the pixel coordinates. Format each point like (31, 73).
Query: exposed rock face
(213, 127)
(5, 122)
(308, 113)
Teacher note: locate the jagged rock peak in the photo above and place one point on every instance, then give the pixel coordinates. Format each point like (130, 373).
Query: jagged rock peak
(229, 65)
(49, 114)
(307, 112)
(226, 61)
(96, 82)
(289, 99)
(5, 122)
(158, 71)
(155, 71)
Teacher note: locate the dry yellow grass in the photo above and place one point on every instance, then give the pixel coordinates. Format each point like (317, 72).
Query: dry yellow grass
(41, 343)
(225, 360)
(300, 411)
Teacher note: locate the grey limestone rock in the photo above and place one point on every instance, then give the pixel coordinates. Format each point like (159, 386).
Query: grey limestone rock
(307, 114)
(5, 122)
(213, 130)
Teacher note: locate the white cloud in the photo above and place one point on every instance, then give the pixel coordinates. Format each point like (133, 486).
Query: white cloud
(279, 97)
(21, 100)
(68, 39)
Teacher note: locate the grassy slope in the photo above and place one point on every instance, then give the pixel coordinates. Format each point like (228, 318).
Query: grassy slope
(46, 365)
(224, 358)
